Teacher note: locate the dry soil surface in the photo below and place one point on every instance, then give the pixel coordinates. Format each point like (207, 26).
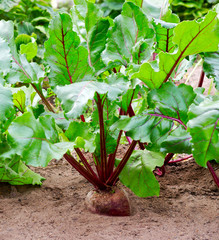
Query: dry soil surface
(186, 209)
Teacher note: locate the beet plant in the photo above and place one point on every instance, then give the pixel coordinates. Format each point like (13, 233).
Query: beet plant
(110, 79)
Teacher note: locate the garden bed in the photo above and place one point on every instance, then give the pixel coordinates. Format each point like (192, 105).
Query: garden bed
(186, 209)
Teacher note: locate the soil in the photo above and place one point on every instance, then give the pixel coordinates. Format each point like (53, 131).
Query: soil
(187, 208)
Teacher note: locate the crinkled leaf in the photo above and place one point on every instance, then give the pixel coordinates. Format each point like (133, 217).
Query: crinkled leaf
(15, 172)
(75, 97)
(191, 37)
(204, 129)
(138, 173)
(36, 140)
(68, 60)
(211, 66)
(129, 38)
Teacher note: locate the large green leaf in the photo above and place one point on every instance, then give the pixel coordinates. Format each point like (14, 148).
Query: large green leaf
(68, 60)
(138, 173)
(155, 8)
(92, 28)
(75, 97)
(5, 57)
(204, 129)
(21, 70)
(191, 37)
(211, 66)
(167, 105)
(7, 5)
(15, 172)
(164, 36)
(6, 108)
(177, 142)
(130, 39)
(36, 140)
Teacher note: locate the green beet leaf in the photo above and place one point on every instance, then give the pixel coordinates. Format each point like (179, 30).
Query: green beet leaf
(79, 132)
(178, 141)
(36, 140)
(7, 5)
(68, 60)
(92, 28)
(29, 49)
(6, 109)
(20, 69)
(19, 100)
(211, 66)
(5, 57)
(75, 97)
(191, 37)
(204, 129)
(15, 172)
(130, 39)
(138, 173)
(168, 105)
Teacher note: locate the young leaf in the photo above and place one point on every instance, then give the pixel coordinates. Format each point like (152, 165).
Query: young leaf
(79, 132)
(15, 172)
(129, 38)
(68, 60)
(19, 100)
(36, 140)
(29, 49)
(138, 173)
(204, 129)
(192, 37)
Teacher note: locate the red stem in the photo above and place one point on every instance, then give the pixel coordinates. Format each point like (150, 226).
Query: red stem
(85, 162)
(215, 177)
(103, 154)
(121, 165)
(180, 159)
(112, 157)
(96, 182)
(201, 79)
(82, 118)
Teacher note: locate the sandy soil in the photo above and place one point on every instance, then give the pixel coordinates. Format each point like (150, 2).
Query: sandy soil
(186, 209)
